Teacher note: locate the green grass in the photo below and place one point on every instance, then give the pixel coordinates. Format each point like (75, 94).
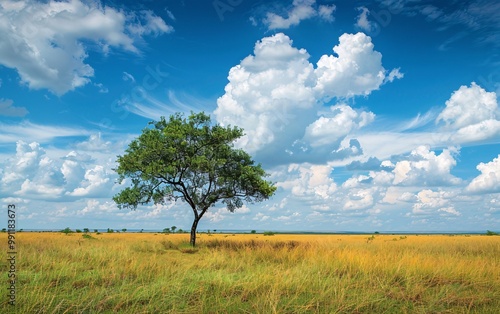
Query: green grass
(144, 273)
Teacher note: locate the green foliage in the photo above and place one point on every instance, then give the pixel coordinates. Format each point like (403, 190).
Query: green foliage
(78, 231)
(269, 233)
(86, 230)
(253, 232)
(87, 236)
(4, 230)
(491, 233)
(191, 160)
(124, 229)
(110, 230)
(166, 230)
(67, 231)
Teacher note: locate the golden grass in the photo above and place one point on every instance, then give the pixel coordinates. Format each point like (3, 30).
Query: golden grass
(158, 273)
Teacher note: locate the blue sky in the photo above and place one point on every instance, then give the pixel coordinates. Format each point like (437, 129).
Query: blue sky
(368, 115)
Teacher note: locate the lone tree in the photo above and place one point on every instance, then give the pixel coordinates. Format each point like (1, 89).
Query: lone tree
(191, 160)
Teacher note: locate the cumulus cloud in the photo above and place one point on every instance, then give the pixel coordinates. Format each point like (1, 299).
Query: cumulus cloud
(424, 167)
(428, 201)
(335, 126)
(471, 115)
(469, 106)
(307, 180)
(277, 86)
(33, 174)
(46, 41)
(489, 179)
(300, 10)
(356, 70)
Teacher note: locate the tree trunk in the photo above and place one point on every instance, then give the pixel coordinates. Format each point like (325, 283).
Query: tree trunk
(192, 241)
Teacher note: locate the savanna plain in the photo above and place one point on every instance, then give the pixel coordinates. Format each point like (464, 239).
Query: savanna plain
(253, 273)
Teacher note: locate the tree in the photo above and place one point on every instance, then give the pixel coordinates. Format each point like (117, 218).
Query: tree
(173, 228)
(190, 160)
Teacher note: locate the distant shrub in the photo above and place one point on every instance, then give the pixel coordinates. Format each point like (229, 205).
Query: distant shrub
(253, 232)
(269, 233)
(491, 233)
(78, 231)
(67, 231)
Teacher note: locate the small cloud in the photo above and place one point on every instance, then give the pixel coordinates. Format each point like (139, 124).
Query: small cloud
(7, 109)
(301, 10)
(170, 15)
(128, 77)
(362, 21)
(325, 12)
(394, 74)
(449, 210)
(102, 88)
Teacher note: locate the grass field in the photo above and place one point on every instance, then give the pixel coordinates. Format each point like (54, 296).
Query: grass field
(252, 273)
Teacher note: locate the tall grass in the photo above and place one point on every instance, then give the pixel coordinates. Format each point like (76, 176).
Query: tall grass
(147, 273)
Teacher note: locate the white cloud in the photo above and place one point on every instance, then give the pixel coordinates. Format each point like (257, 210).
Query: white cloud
(335, 126)
(424, 168)
(489, 179)
(45, 41)
(31, 132)
(278, 87)
(301, 10)
(471, 115)
(428, 201)
(94, 143)
(146, 105)
(33, 174)
(325, 12)
(96, 183)
(8, 109)
(356, 71)
(309, 180)
(469, 106)
(147, 23)
(362, 21)
(394, 74)
(266, 91)
(449, 211)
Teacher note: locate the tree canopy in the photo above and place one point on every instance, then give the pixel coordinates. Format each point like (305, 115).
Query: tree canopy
(190, 160)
